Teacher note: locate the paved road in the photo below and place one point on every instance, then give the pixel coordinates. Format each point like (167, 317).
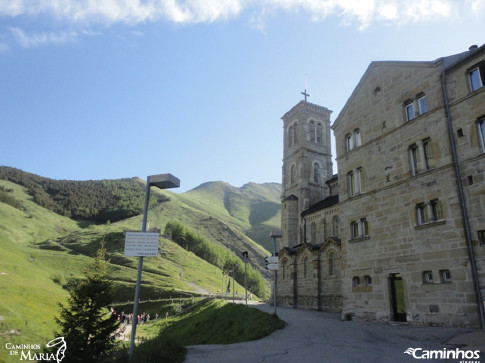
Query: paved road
(312, 336)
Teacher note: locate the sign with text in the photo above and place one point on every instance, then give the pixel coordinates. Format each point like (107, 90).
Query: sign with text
(141, 244)
(271, 259)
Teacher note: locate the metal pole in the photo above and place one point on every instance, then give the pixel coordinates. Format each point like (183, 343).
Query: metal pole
(274, 276)
(246, 276)
(464, 211)
(138, 279)
(233, 286)
(274, 290)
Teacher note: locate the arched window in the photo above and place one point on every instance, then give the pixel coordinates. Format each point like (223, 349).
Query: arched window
(331, 260)
(311, 131)
(292, 139)
(292, 174)
(316, 173)
(319, 132)
(285, 270)
(305, 267)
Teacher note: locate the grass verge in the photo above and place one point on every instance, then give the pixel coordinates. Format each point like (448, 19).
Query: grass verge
(206, 322)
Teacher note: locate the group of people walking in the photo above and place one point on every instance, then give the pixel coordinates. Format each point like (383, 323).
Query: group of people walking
(128, 318)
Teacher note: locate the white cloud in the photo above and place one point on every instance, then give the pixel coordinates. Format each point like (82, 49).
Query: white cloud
(476, 5)
(34, 40)
(361, 12)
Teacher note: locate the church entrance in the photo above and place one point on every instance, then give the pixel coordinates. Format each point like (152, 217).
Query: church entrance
(396, 288)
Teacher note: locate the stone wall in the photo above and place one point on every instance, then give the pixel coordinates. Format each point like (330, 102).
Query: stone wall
(396, 241)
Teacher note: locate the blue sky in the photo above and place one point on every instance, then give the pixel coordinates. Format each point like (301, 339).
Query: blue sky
(115, 89)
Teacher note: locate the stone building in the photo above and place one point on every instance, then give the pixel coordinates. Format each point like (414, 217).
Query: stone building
(399, 234)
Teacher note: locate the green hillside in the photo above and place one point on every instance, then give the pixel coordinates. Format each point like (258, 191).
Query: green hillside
(93, 200)
(254, 209)
(40, 249)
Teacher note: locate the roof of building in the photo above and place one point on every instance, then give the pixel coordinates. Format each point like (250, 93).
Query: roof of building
(308, 106)
(325, 203)
(445, 63)
(333, 178)
(453, 60)
(290, 197)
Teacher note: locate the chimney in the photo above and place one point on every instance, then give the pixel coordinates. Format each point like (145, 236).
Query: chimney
(473, 48)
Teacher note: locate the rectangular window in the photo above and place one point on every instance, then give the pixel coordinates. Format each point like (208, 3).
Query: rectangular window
(413, 159)
(356, 281)
(351, 183)
(409, 108)
(476, 77)
(428, 277)
(423, 107)
(436, 210)
(358, 181)
(359, 229)
(481, 133)
(421, 156)
(428, 153)
(445, 276)
(481, 237)
(365, 227)
(354, 229)
(429, 212)
(357, 137)
(422, 215)
(349, 142)
(367, 280)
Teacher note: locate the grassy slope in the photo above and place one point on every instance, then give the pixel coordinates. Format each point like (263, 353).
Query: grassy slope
(28, 294)
(207, 322)
(206, 219)
(254, 209)
(39, 247)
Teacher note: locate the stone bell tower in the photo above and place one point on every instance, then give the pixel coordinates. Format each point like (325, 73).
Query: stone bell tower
(307, 165)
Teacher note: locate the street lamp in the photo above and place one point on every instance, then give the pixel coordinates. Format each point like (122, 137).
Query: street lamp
(245, 255)
(161, 181)
(275, 235)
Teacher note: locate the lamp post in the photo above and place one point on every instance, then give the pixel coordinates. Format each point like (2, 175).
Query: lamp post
(275, 235)
(161, 181)
(245, 255)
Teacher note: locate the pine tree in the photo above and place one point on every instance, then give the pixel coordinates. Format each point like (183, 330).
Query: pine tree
(85, 322)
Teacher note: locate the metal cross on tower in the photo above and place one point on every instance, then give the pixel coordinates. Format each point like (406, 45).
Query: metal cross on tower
(305, 94)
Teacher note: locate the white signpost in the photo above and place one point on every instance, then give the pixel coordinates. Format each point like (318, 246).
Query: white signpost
(141, 244)
(272, 259)
(272, 266)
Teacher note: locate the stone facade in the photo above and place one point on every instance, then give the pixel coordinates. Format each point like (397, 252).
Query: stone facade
(405, 250)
